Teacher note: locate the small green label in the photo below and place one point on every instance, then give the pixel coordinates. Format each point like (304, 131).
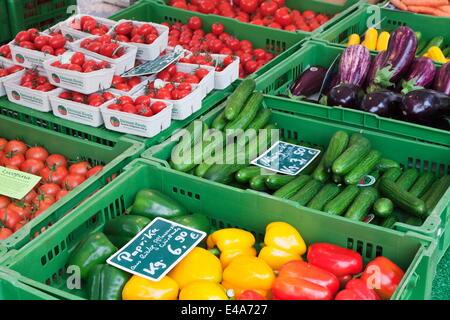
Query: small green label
(286, 158)
(154, 66)
(16, 184)
(154, 251)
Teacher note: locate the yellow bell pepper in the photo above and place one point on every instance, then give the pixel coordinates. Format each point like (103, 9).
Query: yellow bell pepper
(232, 242)
(203, 290)
(138, 288)
(283, 243)
(436, 54)
(353, 39)
(197, 265)
(383, 40)
(248, 273)
(371, 38)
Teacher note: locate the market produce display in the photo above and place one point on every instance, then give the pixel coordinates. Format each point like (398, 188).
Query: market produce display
(229, 264)
(439, 8)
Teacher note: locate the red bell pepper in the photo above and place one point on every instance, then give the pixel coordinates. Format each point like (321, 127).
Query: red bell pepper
(356, 289)
(339, 261)
(383, 276)
(299, 280)
(251, 295)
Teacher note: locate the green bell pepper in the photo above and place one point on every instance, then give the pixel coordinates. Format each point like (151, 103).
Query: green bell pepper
(196, 220)
(93, 249)
(152, 204)
(122, 229)
(106, 282)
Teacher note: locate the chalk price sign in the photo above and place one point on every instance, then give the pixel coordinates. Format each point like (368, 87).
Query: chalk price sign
(154, 251)
(286, 158)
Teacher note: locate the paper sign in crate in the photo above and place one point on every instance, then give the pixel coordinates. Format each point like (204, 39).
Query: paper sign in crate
(184, 107)
(75, 111)
(5, 63)
(70, 33)
(136, 124)
(86, 83)
(123, 63)
(148, 51)
(34, 99)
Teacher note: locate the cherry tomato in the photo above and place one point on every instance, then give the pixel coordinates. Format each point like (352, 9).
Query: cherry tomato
(78, 58)
(158, 106)
(22, 36)
(217, 28)
(268, 8)
(57, 41)
(124, 28)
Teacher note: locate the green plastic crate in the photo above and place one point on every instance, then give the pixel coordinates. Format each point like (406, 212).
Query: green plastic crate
(113, 157)
(244, 210)
(423, 156)
(430, 26)
(5, 31)
(280, 77)
(25, 14)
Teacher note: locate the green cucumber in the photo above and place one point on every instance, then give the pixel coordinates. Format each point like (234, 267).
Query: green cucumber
(340, 203)
(292, 187)
(362, 204)
(258, 183)
(407, 179)
(194, 133)
(446, 52)
(276, 181)
(247, 114)
(320, 173)
(414, 221)
(261, 119)
(238, 98)
(220, 121)
(202, 168)
(436, 41)
(375, 173)
(402, 198)
(383, 207)
(351, 157)
(385, 164)
(328, 192)
(305, 194)
(337, 145)
(392, 173)
(313, 165)
(422, 183)
(363, 168)
(389, 221)
(354, 138)
(245, 174)
(435, 193)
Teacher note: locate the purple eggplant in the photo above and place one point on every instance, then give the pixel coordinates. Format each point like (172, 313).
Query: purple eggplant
(420, 75)
(425, 105)
(442, 82)
(309, 81)
(345, 95)
(384, 103)
(354, 65)
(400, 54)
(374, 67)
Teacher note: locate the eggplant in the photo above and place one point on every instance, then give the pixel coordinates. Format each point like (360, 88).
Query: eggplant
(345, 95)
(442, 82)
(425, 105)
(309, 81)
(420, 75)
(400, 54)
(354, 65)
(374, 67)
(384, 103)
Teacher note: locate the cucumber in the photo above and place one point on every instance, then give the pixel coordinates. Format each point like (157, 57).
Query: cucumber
(247, 114)
(351, 157)
(446, 52)
(354, 138)
(375, 173)
(337, 145)
(292, 187)
(392, 173)
(362, 204)
(422, 184)
(407, 179)
(320, 172)
(436, 191)
(313, 165)
(220, 121)
(341, 202)
(238, 98)
(305, 194)
(245, 174)
(328, 192)
(202, 168)
(437, 41)
(383, 207)
(363, 168)
(414, 221)
(194, 133)
(389, 221)
(276, 181)
(258, 183)
(402, 198)
(385, 164)
(261, 119)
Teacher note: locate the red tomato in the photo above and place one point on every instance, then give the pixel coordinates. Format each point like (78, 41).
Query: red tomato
(144, 110)
(14, 160)
(158, 106)
(80, 168)
(72, 181)
(22, 36)
(53, 176)
(4, 201)
(5, 233)
(145, 100)
(94, 171)
(40, 41)
(57, 41)
(108, 96)
(268, 8)
(32, 166)
(125, 99)
(251, 66)
(283, 16)
(129, 108)
(217, 28)
(124, 28)
(308, 14)
(56, 160)
(201, 73)
(206, 6)
(9, 217)
(248, 6)
(78, 58)
(49, 189)
(61, 194)
(15, 146)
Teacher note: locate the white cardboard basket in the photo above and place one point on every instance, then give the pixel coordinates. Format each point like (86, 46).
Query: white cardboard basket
(207, 83)
(148, 51)
(135, 124)
(27, 97)
(7, 64)
(75, 111)
(70, 33)
(86, 83)
(123, 63)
